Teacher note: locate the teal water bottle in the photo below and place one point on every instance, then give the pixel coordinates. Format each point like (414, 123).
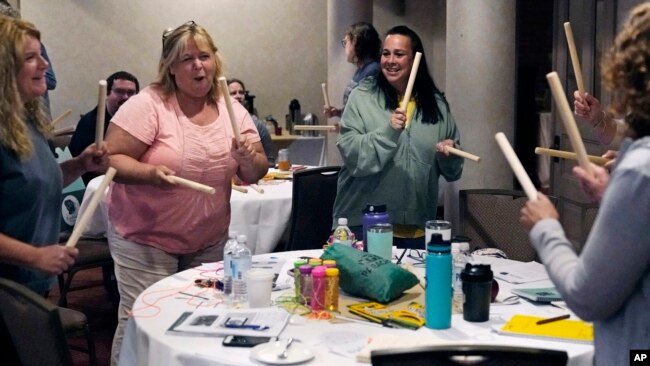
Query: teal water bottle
(438, 277)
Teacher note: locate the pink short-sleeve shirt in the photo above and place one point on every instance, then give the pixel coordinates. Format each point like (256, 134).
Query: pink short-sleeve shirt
(178, 220)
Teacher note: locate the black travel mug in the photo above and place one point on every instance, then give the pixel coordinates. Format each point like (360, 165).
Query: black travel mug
(477, 287)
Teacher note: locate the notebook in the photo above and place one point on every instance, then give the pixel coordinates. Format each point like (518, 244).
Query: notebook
(545, 294)
(561, 330)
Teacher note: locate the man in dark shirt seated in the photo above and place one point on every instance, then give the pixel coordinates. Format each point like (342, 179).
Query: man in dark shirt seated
(119, 87)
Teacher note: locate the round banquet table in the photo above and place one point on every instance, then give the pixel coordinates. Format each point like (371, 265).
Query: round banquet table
(262, 217)
(147, 343)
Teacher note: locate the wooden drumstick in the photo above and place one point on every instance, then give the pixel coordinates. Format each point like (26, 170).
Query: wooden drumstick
(569, 155)
(191, 184)
(325, 96)
(257, 188)
(516, 166)
(239, 188)
(313, 128)
(60, 118)
(463, 154)
(574, 57)
(569, 122)
(83, 221)
(101, 109)
(226, 96)
(409, 86)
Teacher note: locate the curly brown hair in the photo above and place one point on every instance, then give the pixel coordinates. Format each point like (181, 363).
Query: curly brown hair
(626, 72)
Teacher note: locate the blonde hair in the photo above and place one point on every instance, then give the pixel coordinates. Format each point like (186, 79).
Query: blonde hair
(14, 112)
(174, 44)
(626, 72)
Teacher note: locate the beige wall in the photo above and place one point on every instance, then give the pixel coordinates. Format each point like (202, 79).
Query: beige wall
(426, 18)
(277, 47)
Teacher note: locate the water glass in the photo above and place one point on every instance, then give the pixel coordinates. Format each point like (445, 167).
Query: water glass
(284, 163)
(259, 283)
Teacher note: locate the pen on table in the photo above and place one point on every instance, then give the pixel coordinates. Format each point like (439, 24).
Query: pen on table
(367, 322)
(554, 319)
(192, 295)
(246, 326)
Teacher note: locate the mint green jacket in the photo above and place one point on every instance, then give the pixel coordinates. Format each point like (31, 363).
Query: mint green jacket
(396, 168)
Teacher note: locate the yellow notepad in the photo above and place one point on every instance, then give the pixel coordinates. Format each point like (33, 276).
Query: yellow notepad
(562, 330)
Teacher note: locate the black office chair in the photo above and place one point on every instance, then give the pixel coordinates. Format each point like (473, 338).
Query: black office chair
(93, 253)
(314, 191)
(475, 355)
(34, 326)
(585, 213)
(308, 151)
(490, 218)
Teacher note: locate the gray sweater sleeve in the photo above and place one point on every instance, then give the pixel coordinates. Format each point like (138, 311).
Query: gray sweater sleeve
(615, 258)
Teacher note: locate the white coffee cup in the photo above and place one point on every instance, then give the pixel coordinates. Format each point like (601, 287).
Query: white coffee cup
(259, 283)
(441, 227)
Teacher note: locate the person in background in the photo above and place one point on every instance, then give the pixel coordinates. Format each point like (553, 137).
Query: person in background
(50, 78)
(388, 152)
(120, 86)
(31, 181)
(362, 47)
(177, 126)
(609, 282)
(238, 92)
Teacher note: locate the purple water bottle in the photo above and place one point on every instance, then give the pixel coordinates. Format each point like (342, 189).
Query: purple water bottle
(373, 214)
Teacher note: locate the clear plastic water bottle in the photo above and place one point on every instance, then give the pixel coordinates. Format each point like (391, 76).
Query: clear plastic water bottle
(239, 264)
(342, 233)
(227, 259)
(460, 257)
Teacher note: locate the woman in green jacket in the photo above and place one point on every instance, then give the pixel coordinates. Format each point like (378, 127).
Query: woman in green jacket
(391, 155)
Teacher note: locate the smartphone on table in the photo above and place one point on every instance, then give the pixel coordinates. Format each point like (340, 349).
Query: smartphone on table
(244, 341)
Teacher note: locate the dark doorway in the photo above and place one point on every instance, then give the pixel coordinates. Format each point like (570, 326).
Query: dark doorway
(534, 37)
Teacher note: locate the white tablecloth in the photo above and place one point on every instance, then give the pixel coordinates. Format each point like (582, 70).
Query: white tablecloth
(263, 217)
(145, 341)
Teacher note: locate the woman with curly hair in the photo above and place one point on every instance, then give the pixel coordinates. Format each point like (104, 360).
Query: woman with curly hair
(609, 282)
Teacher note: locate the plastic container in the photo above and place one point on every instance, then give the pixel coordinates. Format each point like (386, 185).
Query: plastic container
(477, 289)
(438, 289)
(373, 214)
(317, 302)
(305, 284)
(315, 262)
(296, 275)
(460, 256)
(227, 270)
(240, 264)
(342, 234)
(380, 240)
(332, 289)
(329, 263)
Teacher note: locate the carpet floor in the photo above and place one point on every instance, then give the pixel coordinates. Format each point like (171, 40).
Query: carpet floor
(95, 302)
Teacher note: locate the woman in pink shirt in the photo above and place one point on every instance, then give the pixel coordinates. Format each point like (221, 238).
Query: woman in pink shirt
(179, 126)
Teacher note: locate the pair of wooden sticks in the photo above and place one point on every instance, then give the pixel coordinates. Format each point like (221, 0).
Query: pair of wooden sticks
(567, 118)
